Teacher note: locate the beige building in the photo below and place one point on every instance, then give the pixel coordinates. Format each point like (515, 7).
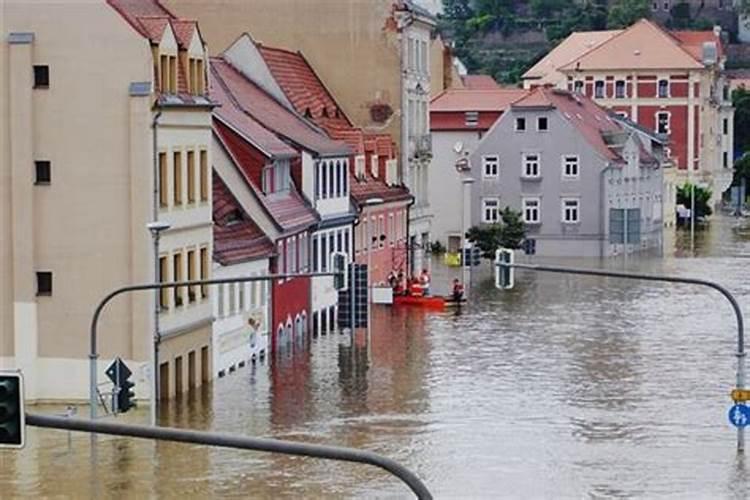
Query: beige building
(380, 58)
(82, 172)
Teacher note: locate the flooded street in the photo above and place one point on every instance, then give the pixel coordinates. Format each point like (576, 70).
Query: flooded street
(566, 386)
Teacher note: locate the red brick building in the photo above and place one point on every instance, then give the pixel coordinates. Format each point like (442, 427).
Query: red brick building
(669, 82)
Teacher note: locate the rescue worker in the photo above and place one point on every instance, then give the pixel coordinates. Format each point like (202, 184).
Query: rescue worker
(424, 280)
(458, 290)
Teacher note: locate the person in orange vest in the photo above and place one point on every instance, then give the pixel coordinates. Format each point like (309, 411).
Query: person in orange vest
(415, 288)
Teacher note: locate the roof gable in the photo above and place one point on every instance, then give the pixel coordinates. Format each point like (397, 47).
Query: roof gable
(459, 100)
(641, 46)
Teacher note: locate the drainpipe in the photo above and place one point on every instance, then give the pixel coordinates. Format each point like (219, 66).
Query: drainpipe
(157, 293)
(603, 209)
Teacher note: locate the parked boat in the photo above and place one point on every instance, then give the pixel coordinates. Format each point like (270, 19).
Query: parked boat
(435, 302)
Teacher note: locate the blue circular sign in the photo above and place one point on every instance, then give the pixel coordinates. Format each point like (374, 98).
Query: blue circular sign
(739, 415)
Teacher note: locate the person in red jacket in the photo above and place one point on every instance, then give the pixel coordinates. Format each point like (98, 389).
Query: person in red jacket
(458, 290)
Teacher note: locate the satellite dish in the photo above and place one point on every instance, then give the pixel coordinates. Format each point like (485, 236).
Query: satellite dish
(458, 147)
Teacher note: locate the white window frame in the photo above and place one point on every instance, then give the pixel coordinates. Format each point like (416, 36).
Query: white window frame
(471, 118)
(564, 210)
(668, 94)
(564, 162)
(537, 210)
(515, 123)
(579, 86)
(525, 163)
(538, 122)
(487, 162)
(624, 89)
(669, 121)
(604, 89)
(485, 209)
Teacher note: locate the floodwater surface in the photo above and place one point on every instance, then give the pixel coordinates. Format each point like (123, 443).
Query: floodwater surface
(564, 387)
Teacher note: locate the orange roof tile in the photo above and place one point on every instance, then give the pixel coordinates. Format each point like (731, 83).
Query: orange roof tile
(693, 41)
(183, 31)
(479, 82)
(475, 100)
(643, 45)
(577, 44)
(131, 10)
(153, 26)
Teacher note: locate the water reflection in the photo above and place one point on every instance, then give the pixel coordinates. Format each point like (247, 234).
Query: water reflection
(574, 387)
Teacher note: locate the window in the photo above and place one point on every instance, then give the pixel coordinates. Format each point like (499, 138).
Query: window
(411, 55)
(373, 165)
(199, 76)
(570, 165)
(541, 123)
(662, 123)
(204, 271)
(531, 165)
(191, 274)
(267, 179)
(163, 278)
(193, 83)
(531, 211)
(172, 74)
(323, 167)
(391, 231)
(204, 174)
(599, 89)
(163, 180)
(725, 92)
(472, 118)
(324, 253)
(191, 176)
(381, 231)
(725, 159)
(663, 87)
(43, 172)
(316, 264)
(490, 166)
(164, 73)
(41, 76)
(620, 89)
(331, 180)
(578, 86)
(44, 283)
(177, 275)
(520, 124)
(177, 178)
(490, 210)
(725, 126)
(570, 212)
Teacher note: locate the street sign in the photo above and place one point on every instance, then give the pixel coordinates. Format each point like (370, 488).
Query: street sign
(112, 372)
(739, 415)
(740, 395)
(503, 272)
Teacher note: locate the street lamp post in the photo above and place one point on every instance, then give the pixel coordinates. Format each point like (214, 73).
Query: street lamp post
(371, 202)
(465, 222)
(156, 229)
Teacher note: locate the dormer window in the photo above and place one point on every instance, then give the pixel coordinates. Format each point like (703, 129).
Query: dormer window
(195, 75)
(276, 177)
(168, 74)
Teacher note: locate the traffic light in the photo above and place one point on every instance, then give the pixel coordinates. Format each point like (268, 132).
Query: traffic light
(503, 269)
(339, 266)
(12, 418)
(476, 256)
(124, 395)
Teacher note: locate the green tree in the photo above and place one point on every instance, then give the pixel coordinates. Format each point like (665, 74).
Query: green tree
(742, 170)
(741, 103)
(623, 13)
(509, 232)
(702, 199)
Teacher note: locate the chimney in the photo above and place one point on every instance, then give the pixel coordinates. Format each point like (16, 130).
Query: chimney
(717, 31)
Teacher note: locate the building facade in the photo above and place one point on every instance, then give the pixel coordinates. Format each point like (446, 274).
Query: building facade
(458, 121)
(668, 82)
(586, 186)
(74, 218)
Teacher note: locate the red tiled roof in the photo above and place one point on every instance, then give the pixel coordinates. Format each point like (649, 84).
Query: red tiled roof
(479, 82)
(183, 31)
(231, 113)
(273, 115)
(153, 26)
(288, 209)
(693, 41)
(591, 120)
(237, 238)
(362, 190)
(131, 10)
(453, 100)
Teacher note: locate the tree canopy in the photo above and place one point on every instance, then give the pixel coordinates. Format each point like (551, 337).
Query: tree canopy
(508, 232)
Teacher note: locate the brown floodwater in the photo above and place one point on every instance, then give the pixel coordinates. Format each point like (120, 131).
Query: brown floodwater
(564, 387)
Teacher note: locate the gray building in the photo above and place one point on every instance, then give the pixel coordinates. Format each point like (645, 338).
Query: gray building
(587, 183)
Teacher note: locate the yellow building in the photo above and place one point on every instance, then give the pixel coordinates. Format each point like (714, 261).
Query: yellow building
(105, 128)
